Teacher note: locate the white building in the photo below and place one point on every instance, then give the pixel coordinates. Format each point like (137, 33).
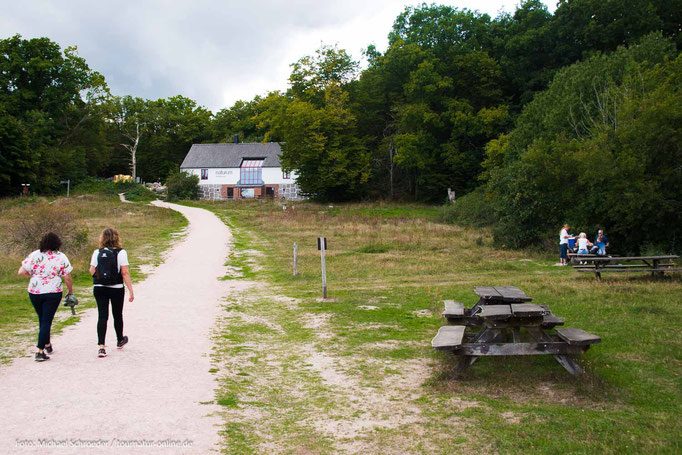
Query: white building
(240, 171)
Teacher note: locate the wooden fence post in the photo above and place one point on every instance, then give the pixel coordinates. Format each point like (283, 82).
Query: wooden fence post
(295, 258)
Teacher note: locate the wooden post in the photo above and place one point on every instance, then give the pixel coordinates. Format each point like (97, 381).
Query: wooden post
(322, 245)
(295, 258)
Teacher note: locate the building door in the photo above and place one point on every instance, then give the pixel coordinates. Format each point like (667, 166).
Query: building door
(230, 192)
(269, 191)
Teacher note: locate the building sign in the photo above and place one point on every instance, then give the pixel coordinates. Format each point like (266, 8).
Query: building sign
(222, 173)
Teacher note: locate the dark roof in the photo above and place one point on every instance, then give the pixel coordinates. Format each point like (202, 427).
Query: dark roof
(231, 155)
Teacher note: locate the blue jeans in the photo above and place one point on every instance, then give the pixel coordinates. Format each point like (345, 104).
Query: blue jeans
(583, 252)
(46, 306)
(564, 250)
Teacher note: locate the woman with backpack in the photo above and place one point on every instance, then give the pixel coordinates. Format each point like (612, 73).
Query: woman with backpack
(109, 270)
(47, 267)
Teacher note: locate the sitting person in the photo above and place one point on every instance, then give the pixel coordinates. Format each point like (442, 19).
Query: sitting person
(600, 243)
(583, 244)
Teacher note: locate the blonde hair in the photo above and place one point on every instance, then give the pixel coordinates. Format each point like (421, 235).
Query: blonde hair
(583, 235)
(109, 238)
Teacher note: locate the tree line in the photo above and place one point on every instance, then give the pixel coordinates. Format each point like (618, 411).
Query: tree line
(538, 118)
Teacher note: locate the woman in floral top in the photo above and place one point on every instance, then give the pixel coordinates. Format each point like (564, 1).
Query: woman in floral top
(47, 267)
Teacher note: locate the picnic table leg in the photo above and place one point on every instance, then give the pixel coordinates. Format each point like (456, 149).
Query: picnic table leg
(516, 334)
(486, 335)
(565, 361)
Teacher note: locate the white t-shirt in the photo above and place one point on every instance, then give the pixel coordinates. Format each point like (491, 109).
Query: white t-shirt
(47, 270)
(582, 244)
(122, 260)
(563, 240)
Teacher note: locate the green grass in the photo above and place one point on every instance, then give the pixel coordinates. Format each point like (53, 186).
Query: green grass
(146, 232)
(389, 268)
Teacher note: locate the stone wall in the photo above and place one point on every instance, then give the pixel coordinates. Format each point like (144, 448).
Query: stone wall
(289, 191)
(210, 192)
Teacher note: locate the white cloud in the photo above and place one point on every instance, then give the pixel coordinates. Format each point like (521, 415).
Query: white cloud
(215, 52)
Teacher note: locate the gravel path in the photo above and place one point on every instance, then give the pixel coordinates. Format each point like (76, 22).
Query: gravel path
(145, 398)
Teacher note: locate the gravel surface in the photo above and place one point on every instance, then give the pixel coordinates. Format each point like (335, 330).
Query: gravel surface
(146, 398)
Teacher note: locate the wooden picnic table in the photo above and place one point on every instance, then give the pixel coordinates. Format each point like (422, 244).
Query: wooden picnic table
(509, 329)
(488, 295)
(656, 265)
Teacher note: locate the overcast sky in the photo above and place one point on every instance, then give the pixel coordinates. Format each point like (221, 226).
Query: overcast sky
(215, 52)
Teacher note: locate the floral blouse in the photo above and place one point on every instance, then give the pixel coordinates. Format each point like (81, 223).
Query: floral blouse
(47, 270)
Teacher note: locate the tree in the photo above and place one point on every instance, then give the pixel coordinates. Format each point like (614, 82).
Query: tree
(129, 116)
(599, 148)
(312, 74)
(320, 144)
(49, 113)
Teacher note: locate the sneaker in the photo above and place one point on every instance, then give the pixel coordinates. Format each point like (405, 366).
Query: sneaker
(122, 343)
(101, 353)
(41, 357)
(49, 349)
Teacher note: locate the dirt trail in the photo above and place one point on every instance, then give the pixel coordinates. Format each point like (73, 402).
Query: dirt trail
(151, 392)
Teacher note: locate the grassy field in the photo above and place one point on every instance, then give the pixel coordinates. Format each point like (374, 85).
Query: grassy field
(356, 373)
(146, 232)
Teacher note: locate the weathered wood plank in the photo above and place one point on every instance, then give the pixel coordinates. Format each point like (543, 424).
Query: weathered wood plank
(496, 312)
(577, 337)
(449, 337)
(605, 269)
(453, 309)
(487, 292)
(549, 321)
(542, 348)
(527, 310)
(631, 258)
(512, 294)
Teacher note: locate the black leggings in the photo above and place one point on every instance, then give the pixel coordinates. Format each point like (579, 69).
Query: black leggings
(46, 306)
(104, 295)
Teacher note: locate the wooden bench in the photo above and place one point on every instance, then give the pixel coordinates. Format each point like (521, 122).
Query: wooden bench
(453, 310)
(448, 338)
(577, 337)
(650, 264)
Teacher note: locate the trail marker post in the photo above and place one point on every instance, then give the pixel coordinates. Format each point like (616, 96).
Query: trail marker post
(295, 258)
(68, 186)
(322, 246)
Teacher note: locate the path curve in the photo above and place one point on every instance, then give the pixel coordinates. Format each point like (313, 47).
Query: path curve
(151, 391)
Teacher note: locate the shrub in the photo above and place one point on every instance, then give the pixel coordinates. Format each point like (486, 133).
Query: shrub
(133, 191)
(34, 221)
(181, 185)
(140, 194)
(474, 209)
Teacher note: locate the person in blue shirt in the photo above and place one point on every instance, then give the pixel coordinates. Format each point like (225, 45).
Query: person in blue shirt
(601, 241)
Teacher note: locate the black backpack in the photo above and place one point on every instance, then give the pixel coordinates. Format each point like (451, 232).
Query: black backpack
(106, 272)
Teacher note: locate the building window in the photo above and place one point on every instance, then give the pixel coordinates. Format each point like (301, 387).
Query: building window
(204, 174)
(286, 175)
(251, 172)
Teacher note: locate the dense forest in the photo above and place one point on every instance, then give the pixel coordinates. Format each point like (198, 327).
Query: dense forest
(532, 118)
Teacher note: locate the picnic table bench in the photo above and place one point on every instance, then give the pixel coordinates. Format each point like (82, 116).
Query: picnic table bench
(656, 265)
(505, 328)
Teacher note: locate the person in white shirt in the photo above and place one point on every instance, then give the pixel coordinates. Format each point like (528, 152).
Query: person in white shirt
(563, 244)
(47, 267)
(109, 270)
(583, 244)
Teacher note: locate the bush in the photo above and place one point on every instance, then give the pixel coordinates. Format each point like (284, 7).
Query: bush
(140, 194)
(34, 221)
(133, 191)
(181, 185)
(474, 209)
